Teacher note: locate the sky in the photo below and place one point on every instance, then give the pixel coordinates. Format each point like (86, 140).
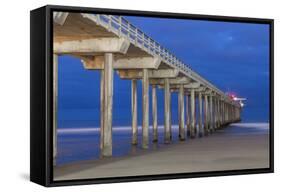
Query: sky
(232, 56)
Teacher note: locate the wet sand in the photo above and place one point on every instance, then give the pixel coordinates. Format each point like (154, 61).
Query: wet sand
(240, 146)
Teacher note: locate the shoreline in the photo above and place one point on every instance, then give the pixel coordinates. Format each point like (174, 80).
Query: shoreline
(160, 127)
(222, 150)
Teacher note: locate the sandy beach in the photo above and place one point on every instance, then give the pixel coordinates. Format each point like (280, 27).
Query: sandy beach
(239, 146)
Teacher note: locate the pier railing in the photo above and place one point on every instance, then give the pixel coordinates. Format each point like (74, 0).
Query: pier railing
(123, 28)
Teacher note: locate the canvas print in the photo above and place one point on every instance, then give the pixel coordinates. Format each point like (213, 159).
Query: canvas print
(143, 95)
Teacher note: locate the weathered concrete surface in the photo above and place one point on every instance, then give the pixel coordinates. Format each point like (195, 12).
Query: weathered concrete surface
(107, 106)
(200, 114)
(206, 115)
(137, 74)
(55, 105)
(167, 114)
(145, 109)
(187, 103)
(60, 17)
(211, 114)
(101, 107)
(192, 115)
(181, 113)
(154, 113)
(222, 151)
(134, 112)
(92, 46)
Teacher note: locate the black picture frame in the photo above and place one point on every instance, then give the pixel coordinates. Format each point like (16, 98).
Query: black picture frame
(41, 95)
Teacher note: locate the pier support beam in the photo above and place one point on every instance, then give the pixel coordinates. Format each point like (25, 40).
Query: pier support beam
(167, 134)
(187, 116)
(192, 103)
(200, 114)
(154, 113)
(134, 112)
(181, 113)
(55, 106)
(145, 109)
(211, 115)
(216, 112)
(101, 107)
(223, 112)
(226, 110)
(219, 113)
(206, 115)
(107, 106)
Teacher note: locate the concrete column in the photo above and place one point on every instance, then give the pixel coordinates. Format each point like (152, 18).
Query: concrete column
(237, 114)
(107, 110)
(229, 112)
(195, 112)
(192, 103)
(206, 115)
(219, 113)
(232, 114)
(231, 117)
(154, 113)
(187, 116)
(170, 126)
(181, 113)
(200, 114)
(145, 109)
(167, 135)
(226, 112)
(55, 105)
(215, 113)
(101, 107)
(134, 112)
(211, 114)
(223, 113)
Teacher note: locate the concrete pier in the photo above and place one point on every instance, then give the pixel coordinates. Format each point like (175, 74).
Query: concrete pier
(211, 115)
(187, 101)
(192, 108)
(181, 113)
(167, 100)
(223, 113)
(154, 113)
(134, 112)
(219, 113)
(216, 112)
(145, 109)
(108, 101)
(101, 107)
(201, 131)
(106, 43)
(206, 115)
(55, 105)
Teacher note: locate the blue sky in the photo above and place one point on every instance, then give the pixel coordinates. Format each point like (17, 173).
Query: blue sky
(233, 56)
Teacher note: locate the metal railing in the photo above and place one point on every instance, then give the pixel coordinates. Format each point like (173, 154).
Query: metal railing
(123, 28)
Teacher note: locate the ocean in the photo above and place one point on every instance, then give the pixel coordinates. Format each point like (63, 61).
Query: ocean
(80, 144)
